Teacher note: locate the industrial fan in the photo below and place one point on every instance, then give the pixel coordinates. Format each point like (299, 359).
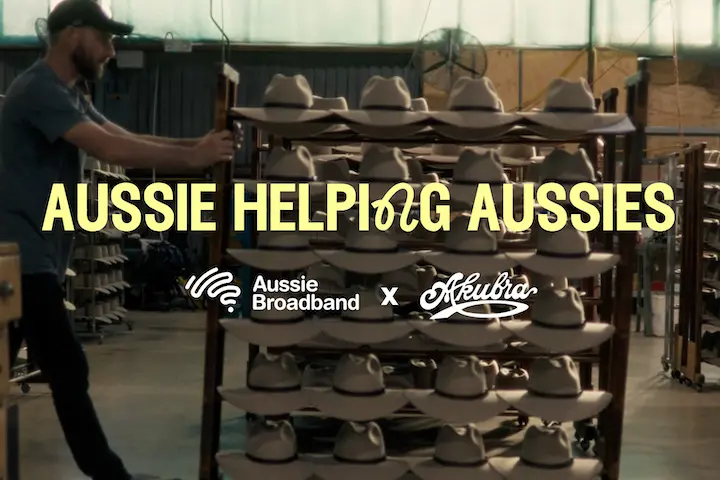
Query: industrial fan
(446, 54)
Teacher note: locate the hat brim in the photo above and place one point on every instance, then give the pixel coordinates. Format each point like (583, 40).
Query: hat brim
(429, 469)
(573, 268)
(438, 159)
(114, 27)
(284, 115)
(512, 468)
(419, 150)
(568, 188)
(475, 120)
(582, 122)
(470, 134)
(456, 411)
(348, 149)
(275, 260)
(382, 118)
(586, 406)
(265, 403)
(269, 335)
(328, 468)
(364, 333)
(237, 466)
(469, 263)
(561, 340)
(315, 188)
(357, 408)
(470, 335)
(368, 263)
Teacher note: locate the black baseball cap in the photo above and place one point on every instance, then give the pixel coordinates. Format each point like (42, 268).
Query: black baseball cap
(84, 13)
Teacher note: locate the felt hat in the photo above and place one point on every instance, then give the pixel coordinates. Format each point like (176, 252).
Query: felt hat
(565, 253)
(558, 323)
(334, 170)
(274, 387)
(469, 251)
(518, 155)
(270, 452)
(570, 107)
(474, 326)
(459, 455)
(368, 252)
(474, 170)
(337, 233)
(418, 105)
(474, 112)
(287, 109)
(295, 166)
(385, 110)
(567, 170)
(372, 323)
(411, 281)
(461, 394)
(281, 325)
(359, 454)
(277, 251)
(511, 379)
(358, 391)
(555, 394)
(380, 169)
(333, 104)
(546, 454)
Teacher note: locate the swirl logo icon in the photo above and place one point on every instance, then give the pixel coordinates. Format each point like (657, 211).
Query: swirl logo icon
(458, 294)
(215, 284)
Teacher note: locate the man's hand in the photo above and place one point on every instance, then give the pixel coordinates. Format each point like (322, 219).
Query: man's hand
(215, 147)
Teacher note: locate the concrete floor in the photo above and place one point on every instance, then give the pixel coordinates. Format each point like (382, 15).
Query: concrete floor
(147, 389)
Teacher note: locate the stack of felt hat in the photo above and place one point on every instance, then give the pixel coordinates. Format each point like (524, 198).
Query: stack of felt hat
(461, 386)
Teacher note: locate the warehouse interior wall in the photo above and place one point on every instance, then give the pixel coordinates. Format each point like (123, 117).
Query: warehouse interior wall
(185, 84)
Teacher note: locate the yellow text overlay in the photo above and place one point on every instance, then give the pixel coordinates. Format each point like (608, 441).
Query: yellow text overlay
(185, 207)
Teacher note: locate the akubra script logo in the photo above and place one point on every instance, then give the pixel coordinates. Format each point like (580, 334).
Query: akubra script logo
(460, 294)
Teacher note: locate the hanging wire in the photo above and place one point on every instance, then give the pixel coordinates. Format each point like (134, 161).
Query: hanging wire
(225, 48)
(416, 50)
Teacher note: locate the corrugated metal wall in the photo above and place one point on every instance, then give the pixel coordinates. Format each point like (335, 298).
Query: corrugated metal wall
(185, 83)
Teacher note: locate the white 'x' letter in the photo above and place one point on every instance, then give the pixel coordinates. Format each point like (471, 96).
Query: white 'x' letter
(389, 293)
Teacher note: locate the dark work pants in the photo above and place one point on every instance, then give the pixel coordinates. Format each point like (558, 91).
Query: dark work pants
(46, 328)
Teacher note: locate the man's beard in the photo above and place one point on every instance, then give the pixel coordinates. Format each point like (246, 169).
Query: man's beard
(85, 66)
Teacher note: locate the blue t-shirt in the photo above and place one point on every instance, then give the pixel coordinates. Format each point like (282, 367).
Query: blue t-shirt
(38, 110)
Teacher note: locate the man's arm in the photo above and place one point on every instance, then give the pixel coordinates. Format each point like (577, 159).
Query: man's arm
(52, 110)
(180, 142)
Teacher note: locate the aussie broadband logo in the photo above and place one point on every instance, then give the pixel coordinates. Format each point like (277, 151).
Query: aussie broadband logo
(459, 294)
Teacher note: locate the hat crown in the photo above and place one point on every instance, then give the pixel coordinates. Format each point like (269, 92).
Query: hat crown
(561, 165)
(293, 165)
(477, 167)
(567, 94)
(386, 163)
(474, 93)
(288, 92)
(329, 103)
(517, 150)
(548, 446)
(274, 372)
(282, 240)
(271, 441)
(561, 307)
(391, 92)
(554, 376)
(419, 104)
(359, 442)
(460, 445)
(415, 170)
(461, 239)
(359, 374)
(461, 377)
(566, 241)
(372, 240)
